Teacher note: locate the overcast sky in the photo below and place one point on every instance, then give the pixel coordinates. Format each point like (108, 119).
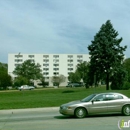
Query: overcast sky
(58, 26)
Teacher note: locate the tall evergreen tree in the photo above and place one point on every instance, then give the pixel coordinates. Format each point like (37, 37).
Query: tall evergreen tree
(106, 52)
(126, 65)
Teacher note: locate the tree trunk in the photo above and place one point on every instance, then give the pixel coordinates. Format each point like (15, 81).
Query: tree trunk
(107, 81)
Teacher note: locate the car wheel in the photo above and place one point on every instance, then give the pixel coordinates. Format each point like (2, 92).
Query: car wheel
(126, 110)
(80, 112)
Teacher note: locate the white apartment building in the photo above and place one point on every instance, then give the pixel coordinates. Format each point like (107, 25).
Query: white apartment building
(51, 64)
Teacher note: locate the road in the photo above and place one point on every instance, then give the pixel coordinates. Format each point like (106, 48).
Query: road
(50, 119)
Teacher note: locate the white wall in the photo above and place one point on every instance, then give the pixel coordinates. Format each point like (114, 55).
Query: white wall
(63, 63)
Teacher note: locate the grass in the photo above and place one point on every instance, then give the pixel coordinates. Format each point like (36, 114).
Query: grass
(47, 97)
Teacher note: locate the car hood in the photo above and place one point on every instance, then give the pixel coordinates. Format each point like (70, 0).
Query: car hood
(72, 103)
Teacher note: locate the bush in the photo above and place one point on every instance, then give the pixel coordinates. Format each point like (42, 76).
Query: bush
(126, 86)
(119, 79)
(116, 86)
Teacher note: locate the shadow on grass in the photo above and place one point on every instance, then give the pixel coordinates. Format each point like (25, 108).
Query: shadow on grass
(68, 91)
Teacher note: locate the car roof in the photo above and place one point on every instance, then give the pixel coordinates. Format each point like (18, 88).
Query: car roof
(108, 93)
(111, 93)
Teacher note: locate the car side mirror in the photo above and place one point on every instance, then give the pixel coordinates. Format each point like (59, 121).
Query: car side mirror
(92, 101)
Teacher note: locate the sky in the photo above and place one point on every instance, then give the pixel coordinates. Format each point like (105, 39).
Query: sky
(59, 26)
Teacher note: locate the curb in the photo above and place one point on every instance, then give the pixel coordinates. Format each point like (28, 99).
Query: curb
(29, 110)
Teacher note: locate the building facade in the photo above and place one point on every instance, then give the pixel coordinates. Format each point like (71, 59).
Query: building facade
(51, 64)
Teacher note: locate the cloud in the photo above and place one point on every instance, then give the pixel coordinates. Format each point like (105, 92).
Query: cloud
(55, 26)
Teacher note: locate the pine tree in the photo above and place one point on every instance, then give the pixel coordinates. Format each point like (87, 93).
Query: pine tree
(106, 53)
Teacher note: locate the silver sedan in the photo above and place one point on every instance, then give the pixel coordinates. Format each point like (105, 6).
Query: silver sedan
(102, 103)
(26, 87)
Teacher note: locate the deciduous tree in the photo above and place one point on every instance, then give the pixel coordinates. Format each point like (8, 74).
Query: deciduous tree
(5, 79)
(57, 80)
(29, 70)
(74, 77)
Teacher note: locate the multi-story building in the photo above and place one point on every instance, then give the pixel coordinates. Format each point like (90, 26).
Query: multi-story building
(51, 64)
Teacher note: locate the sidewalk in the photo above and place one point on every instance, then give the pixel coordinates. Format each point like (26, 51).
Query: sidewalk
(29, 110)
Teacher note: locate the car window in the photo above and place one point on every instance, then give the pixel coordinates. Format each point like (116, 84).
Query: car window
(87, 99)
(113, 97)
(120, 97)
(109, 97)
(100, 98)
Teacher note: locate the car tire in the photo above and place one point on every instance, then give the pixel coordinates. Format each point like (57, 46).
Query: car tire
(126, 110)
(80, 112)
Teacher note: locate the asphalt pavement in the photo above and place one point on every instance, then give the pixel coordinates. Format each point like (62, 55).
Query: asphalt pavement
(50, 119)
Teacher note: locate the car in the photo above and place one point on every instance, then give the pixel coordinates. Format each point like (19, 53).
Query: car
(101, 103)
(26, 87)
(74, 85)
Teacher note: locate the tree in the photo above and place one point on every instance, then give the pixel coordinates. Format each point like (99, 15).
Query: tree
(119, 79)
(83, 69)
(29, 70)
(106, 53)
(93, 78)
(57, 80)
(126, 65)
(5, 79)
(21, 81)
(74, 77)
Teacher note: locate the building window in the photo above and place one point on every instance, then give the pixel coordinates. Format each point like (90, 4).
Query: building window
(55, 65)
(32, 60)
(56, 73)
(55, 69)
(70, 60)
(55, 60)
(46, 65)
(45, 73)
(45, 56)
(46, 60)
(45, 69)
(70, 69)
(16, 65)
(79, 56)
(17, 56)
(31, 56)
(70, 56)
(79, 61)
(18, 60)
(56, 56)
(69, 73)
(70, 65)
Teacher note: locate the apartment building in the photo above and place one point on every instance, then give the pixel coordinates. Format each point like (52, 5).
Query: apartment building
(51, 64)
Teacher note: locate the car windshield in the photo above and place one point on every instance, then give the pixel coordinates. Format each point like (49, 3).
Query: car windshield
(87, 99)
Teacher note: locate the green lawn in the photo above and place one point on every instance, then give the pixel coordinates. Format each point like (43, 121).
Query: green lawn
(46, 97)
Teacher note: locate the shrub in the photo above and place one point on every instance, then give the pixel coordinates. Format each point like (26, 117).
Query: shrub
(126, 86)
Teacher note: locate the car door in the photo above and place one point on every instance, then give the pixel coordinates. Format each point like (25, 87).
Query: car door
(114, 102)
(98, 105)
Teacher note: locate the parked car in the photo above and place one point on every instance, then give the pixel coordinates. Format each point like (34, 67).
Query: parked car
(74, 85)
(102, 103)
(26, 87)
